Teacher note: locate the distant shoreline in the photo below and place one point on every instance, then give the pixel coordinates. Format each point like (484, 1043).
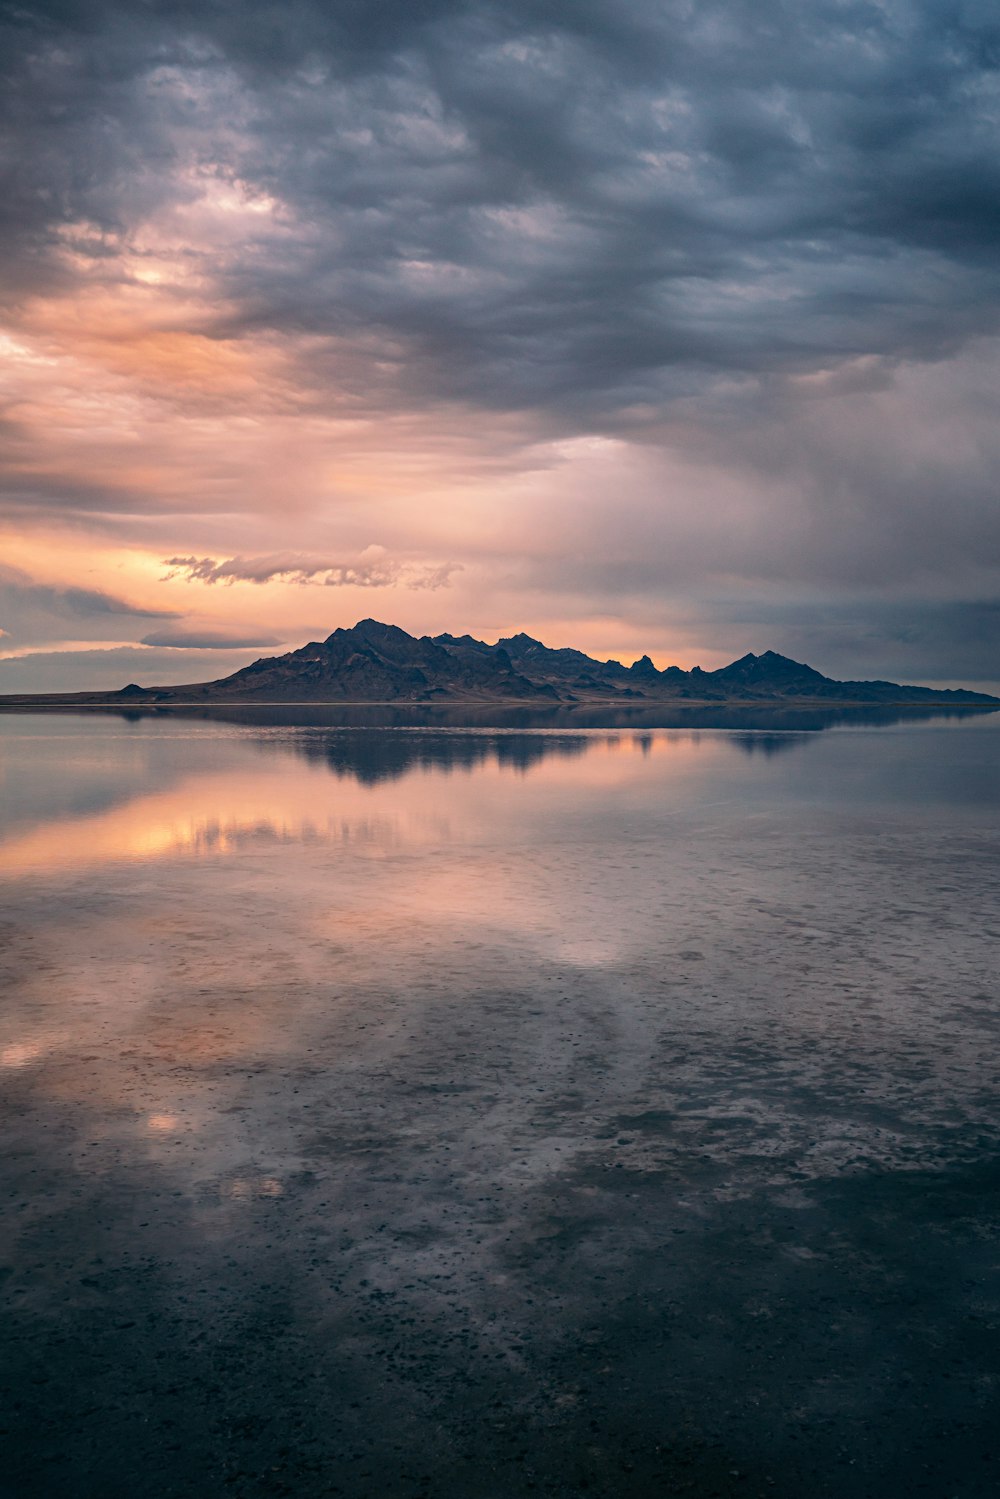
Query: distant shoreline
(86, 702)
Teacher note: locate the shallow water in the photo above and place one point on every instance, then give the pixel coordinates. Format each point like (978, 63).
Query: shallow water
(473, 1113)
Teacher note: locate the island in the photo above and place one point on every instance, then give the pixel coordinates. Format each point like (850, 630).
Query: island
(380, 663)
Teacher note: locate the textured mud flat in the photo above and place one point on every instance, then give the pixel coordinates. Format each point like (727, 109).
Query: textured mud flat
(552, 1143)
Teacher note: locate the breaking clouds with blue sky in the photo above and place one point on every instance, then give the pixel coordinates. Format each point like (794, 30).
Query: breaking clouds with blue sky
(666, 327)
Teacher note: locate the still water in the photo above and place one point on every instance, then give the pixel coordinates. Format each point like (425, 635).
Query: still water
(397, 1112)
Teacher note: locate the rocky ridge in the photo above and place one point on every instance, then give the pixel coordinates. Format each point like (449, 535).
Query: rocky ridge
(375, 662)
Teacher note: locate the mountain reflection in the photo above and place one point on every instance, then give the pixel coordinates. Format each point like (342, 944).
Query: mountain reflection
(373, 756)
(96, 789)
(768, 745)
(218, 793)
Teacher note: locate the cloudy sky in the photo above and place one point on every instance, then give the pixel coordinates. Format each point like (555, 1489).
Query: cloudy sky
(667, 326)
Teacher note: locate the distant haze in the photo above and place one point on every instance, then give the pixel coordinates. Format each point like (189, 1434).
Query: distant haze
(668, 327)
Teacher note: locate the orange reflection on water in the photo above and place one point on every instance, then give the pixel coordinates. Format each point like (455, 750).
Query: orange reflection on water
(283, 798)
(19, 1054)
(314, 880)
(244, 1188)
(206, 815)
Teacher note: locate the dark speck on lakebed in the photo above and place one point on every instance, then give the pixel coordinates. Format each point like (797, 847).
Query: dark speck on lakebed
(617, 1122)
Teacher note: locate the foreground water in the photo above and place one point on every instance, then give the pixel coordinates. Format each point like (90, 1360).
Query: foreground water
(422, 1112)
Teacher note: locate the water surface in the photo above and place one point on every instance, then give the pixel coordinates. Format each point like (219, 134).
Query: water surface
(397, 1111)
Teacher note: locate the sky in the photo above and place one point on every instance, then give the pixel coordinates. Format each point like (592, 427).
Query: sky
(664, 327)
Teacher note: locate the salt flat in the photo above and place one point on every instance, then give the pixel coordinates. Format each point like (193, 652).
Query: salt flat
(391, 1112)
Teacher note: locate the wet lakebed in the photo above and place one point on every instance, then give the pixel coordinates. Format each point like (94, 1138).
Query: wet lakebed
(401, 1111)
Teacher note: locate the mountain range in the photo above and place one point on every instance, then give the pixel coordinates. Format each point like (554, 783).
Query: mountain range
(374, 662)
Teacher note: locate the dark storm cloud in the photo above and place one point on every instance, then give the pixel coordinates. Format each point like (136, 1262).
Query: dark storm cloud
(590, 207)
(900, 640)
(209, 640)
(33, 611)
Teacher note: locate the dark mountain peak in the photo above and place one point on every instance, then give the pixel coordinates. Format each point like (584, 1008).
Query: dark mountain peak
(770, 668)
(376, 662)
(772, 660)
(373, 632)
(465, 642)
(521, 644)
(468, 645)
(562, 662)
(643, 668)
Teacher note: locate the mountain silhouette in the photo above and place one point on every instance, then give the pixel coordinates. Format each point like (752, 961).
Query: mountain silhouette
(375, 662)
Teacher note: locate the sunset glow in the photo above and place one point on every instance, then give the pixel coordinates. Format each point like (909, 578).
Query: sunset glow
(467, 356)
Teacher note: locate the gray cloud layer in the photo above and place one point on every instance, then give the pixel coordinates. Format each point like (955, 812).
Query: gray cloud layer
(585, 207)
